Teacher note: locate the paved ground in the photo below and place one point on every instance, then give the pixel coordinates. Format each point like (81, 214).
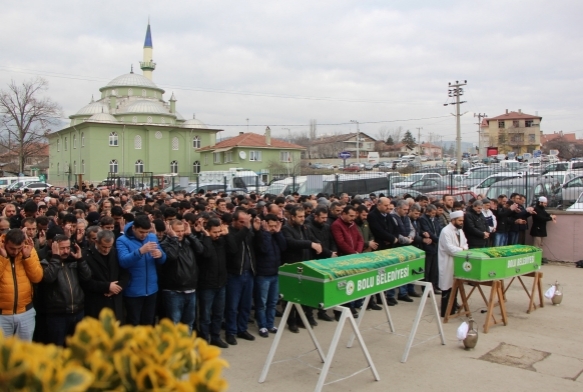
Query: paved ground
(536, 352)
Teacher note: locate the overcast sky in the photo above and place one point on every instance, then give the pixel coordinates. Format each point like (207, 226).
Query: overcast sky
(282, 63)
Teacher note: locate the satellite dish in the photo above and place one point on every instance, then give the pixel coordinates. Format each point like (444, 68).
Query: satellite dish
(242, 155)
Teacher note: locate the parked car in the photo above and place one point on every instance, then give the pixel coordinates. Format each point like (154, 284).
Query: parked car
(441, 170)
(428, 185)
(563, 166)
(354, 167)
(570, 191)
(578, 205)
(483, 185)
(530, 186)
(367, 166)
(33, 186)
(415, 177)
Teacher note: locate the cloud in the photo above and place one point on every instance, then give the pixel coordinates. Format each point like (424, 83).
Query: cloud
(395, 58)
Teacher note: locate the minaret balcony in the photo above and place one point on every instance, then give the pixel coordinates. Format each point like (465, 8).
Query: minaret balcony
(147, 65)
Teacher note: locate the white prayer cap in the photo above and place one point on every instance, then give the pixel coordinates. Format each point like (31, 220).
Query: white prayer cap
(542, 199)
(456, 214)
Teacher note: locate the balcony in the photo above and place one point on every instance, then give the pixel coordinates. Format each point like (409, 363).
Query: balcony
(514, 131)
(147, 65)
(516, 142)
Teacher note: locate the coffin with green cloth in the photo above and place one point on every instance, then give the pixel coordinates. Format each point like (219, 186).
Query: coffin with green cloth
(335, 281)
(485, 264)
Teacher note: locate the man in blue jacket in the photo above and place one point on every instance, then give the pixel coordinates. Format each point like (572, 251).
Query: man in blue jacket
(139, 251)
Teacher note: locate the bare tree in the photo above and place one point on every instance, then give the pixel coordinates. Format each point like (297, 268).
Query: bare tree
(383, 133)
(26, 117)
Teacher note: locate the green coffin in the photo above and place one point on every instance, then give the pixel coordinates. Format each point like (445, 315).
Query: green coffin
(501, 262)
(336, 281)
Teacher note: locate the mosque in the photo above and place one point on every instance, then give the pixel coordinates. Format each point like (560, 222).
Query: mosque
(130, 131)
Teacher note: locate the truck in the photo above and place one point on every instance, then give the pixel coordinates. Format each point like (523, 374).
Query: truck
(234, 178)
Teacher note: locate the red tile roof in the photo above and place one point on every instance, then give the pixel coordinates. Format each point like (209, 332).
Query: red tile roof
(514, 116)
(253, 140)
(570, 137)
(38, 149)
(339, 138)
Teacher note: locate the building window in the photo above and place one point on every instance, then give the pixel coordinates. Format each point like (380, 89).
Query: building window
(285, 156)
(163, 120)
(528, 123)
(228, 156)
(515, 123)
(175, 143)
(74, 141)
(58, 145)
(135, 119)
(196, 142)
(83, 166)
(174, 167)
(113, 166)
(254, 155)
(74, 167)
(113, 139)
(82, 139)
(531, 138)
(206, 159)
(500, 124)
(113, 92)
(65, 143)
(149, 120)
(130, 92)
(58, 168)
(217, 157)
(196, 167)
(138, 142)
(139, 166)
(144, 93)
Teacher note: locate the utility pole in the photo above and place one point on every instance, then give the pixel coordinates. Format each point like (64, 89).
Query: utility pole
(247, 125)
(480, 117)
(357, 141)
(419, 139)
(456, 90)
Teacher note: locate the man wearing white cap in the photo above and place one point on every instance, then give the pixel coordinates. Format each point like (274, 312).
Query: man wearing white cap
(451, 241)
(540, 217)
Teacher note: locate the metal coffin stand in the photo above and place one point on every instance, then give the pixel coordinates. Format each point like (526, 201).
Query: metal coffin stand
(331, 292)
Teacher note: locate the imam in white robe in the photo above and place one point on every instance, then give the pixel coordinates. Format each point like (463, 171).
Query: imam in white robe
(451, 241)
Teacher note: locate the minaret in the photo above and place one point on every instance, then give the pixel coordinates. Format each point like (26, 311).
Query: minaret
(148, 65)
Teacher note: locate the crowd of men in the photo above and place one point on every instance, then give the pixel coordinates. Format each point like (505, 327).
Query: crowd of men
(211, 261)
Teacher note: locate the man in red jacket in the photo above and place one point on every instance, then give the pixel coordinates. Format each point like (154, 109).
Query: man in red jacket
(346, 234)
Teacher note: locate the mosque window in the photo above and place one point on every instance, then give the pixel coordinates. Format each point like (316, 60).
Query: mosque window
(74, 167)
(149, 120)
(175, 143)
(82, 139)
(113, 139)
(58, 145)
(196, 142)
(174, 167)
(113, 166)
(83, 166)
(138, 142)
(163, 120)
(65, 143)
(135, 119)
(112, 92)
(158, 135)
(130, 92)
(74, 141)
(144, 93)
(196, 167)
(139, 166)
(58, 168)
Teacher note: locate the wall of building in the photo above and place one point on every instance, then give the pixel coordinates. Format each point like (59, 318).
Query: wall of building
(564, 238)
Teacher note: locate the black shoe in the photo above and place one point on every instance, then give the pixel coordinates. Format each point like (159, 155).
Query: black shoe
(354, 312)
(263, 333)
(219, 343)
(392, 301)
(278, 313)
(293, 328)
(272, 330)
(374, 306)
(437, 291)
(231, 340)
(312, 322)
(246, 335)
(414, 294)
(324, 317)
(405, 298)
(337, 315)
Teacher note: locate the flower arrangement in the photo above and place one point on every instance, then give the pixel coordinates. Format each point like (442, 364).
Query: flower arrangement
(104, 356)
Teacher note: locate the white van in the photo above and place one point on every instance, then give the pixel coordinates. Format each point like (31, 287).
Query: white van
(235, 177)
(19, 182)
(285, 187)
(5, 181)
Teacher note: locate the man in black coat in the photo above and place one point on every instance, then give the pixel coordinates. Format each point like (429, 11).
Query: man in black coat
(475, 226)
(108, 279)
(540, 217)
(301, 246)
(383, 228)
(502, 214)
(430, 230)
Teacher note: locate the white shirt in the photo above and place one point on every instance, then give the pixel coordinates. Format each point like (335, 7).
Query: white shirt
(451, 241)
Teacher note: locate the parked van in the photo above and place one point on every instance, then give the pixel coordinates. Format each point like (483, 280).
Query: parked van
(20, 182)
(352, 184)
(285, 187)
(563, 166)
(235, 178)
(5, 181)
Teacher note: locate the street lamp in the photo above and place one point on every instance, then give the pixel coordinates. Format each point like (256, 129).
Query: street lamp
(357, 140)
